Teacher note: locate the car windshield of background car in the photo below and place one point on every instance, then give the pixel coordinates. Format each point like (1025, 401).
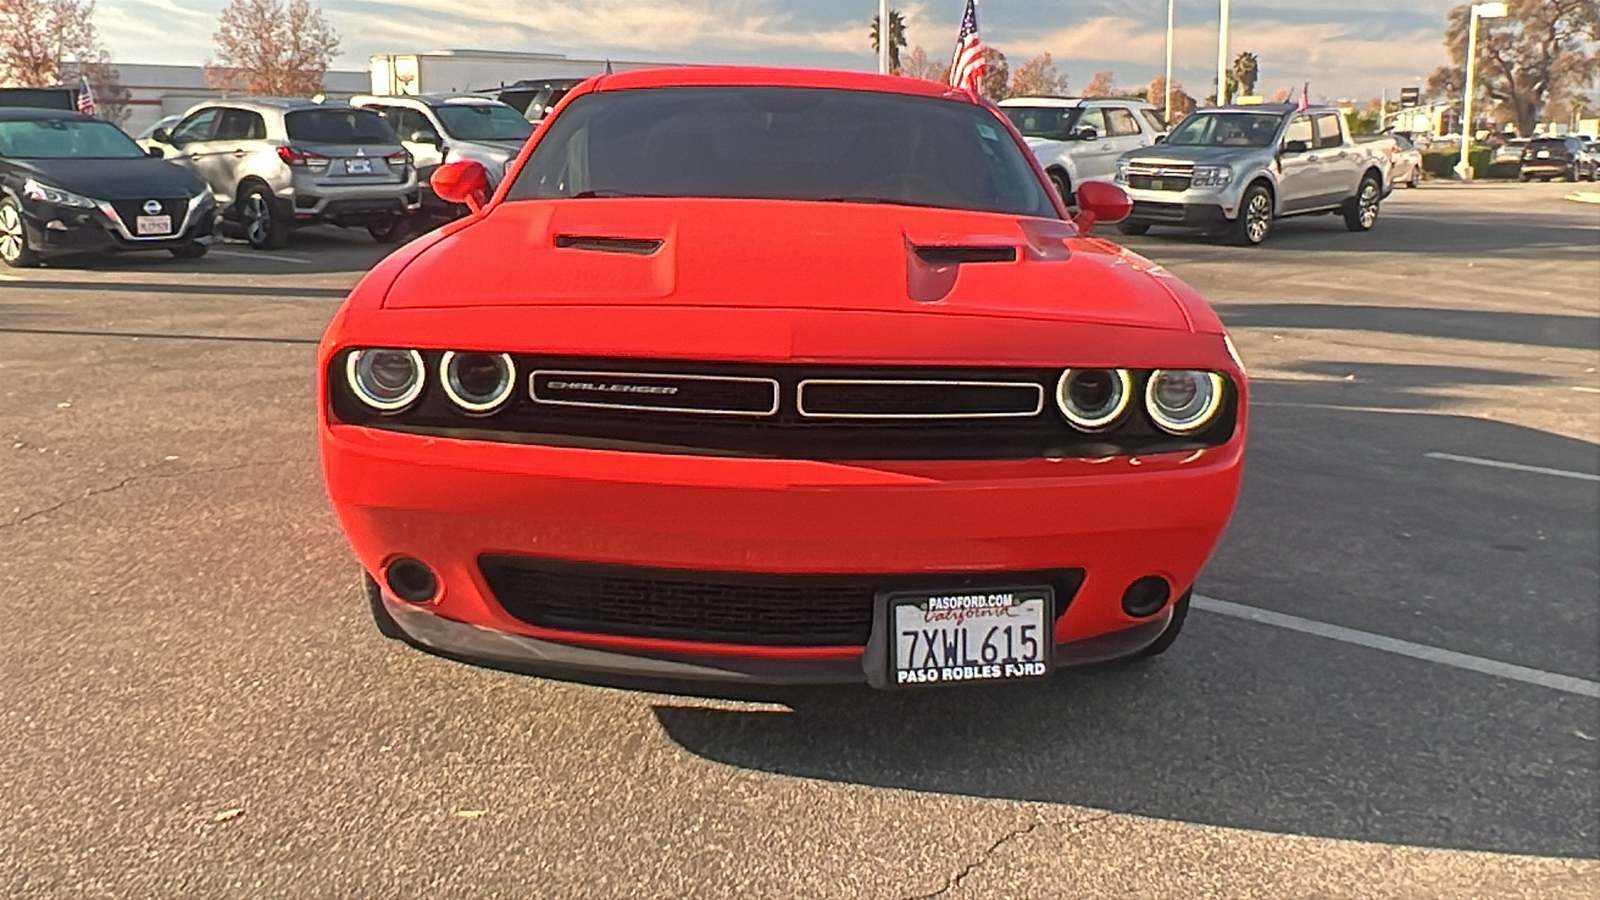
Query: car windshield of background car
(1228, 129)
(1052, 123)
(483, 122)
(784, 143)
(338, 126)
(65, 139)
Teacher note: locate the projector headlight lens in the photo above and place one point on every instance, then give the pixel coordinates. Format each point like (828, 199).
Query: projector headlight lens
(1183, 401)
(1094, 399)
(478, 383)
(385, 379)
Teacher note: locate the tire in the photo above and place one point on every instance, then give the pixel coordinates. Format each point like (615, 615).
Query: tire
(1063, 186)
(14, 249)
(1572, 174)
(1524, 178)
(1133, 228)
(1361, 211)
(1255, 217)
(1180, 612)
(262, 226)
(1416, 179)
(191, 250)
(391, 230)
(387, 626)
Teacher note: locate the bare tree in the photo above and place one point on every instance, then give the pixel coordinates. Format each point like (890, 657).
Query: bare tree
(918, 65)
(37, 36)
(1281, 96)
(1102, 84)
(1544, 50)
(1038, 78)
(996, 81)
(265, 48)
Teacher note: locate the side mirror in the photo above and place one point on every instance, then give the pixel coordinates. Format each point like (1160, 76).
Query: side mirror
(425, 137)
(1161, 138)
(155, 152)
(161, 136)
(1297, 147)
(1101, 202)
(463, 181)
(1087, 133)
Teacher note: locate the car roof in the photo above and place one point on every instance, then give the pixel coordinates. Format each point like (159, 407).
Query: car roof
(1050, 102)
(37, 113)
(760, 76)
(270, 104)
(425, 99)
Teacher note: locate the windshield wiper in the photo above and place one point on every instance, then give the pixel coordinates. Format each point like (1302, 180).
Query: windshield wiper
(603, 193)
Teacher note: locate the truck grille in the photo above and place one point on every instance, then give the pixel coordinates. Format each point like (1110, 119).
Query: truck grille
(1160, 177)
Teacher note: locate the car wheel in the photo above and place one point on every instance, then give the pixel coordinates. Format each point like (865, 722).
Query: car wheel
(390, 230)
(1416, 178)
(1524, 178)
(1063, 186)
(1572, 174)
(1180, 612)
(262, 227)
(191, 250)
(387, 626)
(1134, 228)
(1361, 211)
(1255, 217)
(14, 249)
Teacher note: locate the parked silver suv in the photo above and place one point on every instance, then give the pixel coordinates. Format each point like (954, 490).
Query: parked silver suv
(277, 164)
(1078, 139)
(440, 128)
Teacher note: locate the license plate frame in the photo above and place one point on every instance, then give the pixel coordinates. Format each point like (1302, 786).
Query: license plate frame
(152, 226)
(965, 616)
(358, 166)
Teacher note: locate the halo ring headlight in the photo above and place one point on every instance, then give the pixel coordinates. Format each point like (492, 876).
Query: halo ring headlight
(478, 383)
(386, 379)
(1183, 401)
(1094, 399)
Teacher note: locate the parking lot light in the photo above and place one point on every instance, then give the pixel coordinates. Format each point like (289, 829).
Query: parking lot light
(1494, 10)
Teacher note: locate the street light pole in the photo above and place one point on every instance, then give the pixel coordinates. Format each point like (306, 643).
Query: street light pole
(883, 37)
(1222, 54)
(1166, 102)
(1479, 11)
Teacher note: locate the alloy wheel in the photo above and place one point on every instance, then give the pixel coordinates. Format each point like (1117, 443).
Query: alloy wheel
(258, 219)
(1369, 204)
(12, 240)
(1258, 218)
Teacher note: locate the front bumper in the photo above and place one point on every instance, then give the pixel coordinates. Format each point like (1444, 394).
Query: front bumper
(449, 502)
(1192, 208)
(55, 230)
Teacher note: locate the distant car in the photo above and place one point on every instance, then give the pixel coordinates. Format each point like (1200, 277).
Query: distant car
(535, 98)
(1510, 151)
(440, 128)
(1557, 157)
(1405, 162)
(74, 184)
(1077, 139)
(164, 122)
(278, 164)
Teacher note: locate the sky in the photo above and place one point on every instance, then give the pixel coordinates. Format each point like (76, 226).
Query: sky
(1344, 48)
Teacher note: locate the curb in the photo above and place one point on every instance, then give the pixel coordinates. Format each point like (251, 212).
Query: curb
(1584, 196)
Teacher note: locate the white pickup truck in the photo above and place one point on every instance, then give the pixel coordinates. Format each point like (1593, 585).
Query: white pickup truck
(1235, 170)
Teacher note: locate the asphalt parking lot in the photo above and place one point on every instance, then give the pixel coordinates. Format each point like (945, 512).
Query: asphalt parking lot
(1392, 688)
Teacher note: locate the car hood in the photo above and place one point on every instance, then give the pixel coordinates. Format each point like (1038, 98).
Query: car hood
(784, 254)
(1169, 153)
(114, 179)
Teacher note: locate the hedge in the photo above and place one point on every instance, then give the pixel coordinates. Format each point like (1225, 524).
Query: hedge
(1440, 162)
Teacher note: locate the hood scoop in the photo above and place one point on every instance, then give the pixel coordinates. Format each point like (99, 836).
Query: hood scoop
(956, 254)
(608, 244)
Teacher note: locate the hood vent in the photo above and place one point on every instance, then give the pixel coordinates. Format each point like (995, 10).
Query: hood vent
(952, 255)
(604, 244)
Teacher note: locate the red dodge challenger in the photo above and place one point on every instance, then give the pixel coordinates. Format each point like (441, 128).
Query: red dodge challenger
(779, 376)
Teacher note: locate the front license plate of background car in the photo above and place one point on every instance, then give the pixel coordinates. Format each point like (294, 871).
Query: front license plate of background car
(358, 166)
(149, 225)
(941, 637)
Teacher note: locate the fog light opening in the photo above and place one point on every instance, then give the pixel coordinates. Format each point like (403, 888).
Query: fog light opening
(411, 580)
(1146, 596)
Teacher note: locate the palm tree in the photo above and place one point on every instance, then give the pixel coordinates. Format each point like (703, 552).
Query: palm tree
(1246, 72)
(897, 38)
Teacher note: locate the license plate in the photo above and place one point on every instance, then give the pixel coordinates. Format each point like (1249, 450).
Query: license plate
(943, 637)
(1544, 154)
(1157, 184)
(149, 225)
(358, 166)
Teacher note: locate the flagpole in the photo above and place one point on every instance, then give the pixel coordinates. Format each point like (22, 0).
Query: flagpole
(883, 37)
(1166, 102)
(1222, 54)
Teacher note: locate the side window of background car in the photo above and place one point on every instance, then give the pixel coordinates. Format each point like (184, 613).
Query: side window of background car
(1328, 134)
(195, 128)
(1091, 118)
(410, 122)
(240, 125)
(1298, 130)
(1121, 122)
(1150, 117)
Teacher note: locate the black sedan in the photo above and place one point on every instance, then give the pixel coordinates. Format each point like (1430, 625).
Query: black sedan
(74, 184)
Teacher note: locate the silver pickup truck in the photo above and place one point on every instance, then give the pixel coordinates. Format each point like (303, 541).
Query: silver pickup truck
(1235, 170)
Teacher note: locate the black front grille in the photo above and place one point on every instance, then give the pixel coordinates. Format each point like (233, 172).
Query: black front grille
(719, 607)
(655, 392)
(881, 399)
(129, 212)
(1154, 183)
(1158, 212)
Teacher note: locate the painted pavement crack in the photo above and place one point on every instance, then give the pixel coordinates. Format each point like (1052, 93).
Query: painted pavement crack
(955, 881)
(137, 476)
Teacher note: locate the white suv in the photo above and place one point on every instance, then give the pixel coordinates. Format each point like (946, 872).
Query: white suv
(1079, 139)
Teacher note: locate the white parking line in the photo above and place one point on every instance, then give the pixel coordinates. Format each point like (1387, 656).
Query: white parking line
(1515, 467)
(5, 277)
(270, 257)
(1566, 683)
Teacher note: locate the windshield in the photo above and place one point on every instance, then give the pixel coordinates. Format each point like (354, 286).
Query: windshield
(338, 126)
(483, 122)
(1226, 129)
(65, 139)
(1050, 122)
(783, 143)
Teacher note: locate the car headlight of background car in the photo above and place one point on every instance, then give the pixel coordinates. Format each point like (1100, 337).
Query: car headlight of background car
(44, 193)
(1211, 176)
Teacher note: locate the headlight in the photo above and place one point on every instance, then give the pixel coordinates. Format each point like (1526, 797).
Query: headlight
(478, 383)
(1211, 176)
(1094, 399)
(387, 380)
(1183, 401)
(44, 193)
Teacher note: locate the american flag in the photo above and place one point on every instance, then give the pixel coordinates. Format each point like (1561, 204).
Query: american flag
(1305, 97)
(85, 96)
(968, 65)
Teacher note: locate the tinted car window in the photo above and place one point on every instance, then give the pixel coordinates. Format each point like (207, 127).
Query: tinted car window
(783, 143)
(1151, 117)
(1049, 122)
(338, 126)
(1554, 146)
(483, 122)
(1328, 133)
(1401, 142)
(195, 128)
(1226, 129)
(1092, 118)
(240, 125)
(1122, 122)
(65, 139)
